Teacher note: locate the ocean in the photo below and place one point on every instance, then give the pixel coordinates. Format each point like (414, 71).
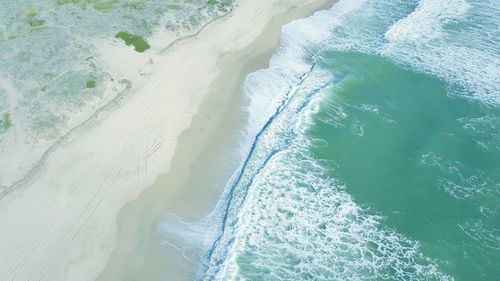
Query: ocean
(373, 150)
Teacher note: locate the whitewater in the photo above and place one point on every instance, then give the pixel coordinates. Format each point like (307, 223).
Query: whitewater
(292, 213)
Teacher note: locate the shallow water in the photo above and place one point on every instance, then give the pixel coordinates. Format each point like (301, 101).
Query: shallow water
(376, 150)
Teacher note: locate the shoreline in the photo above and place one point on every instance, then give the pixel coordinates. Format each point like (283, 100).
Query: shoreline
(68, 232)
(205, 158)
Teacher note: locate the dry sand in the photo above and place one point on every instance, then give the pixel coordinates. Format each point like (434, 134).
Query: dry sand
(63, 225)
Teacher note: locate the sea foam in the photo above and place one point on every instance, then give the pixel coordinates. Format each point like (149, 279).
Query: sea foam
(278, 96)
(281, 217)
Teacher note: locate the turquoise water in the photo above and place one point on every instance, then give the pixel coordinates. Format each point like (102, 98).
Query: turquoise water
(427, 162)
(374, 150)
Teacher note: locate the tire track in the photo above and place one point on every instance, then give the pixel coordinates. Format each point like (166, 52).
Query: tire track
(94, 116)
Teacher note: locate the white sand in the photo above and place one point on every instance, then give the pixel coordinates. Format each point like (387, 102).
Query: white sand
(62, 226)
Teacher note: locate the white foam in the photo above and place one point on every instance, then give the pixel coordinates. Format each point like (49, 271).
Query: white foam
(427, 21)
(485, 131)
(299, 223)
(329, 237)
(288, 219)
(453, 39)
(301, 41)
(425, 41)
(458, 179)
(186, 237)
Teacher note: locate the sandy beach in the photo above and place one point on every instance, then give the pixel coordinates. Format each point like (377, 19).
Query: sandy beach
(89, 213)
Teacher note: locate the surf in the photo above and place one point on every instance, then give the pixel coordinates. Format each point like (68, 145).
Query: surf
(274, 215)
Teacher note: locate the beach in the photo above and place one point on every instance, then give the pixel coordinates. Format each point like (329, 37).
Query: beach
(91, 210)
(249, 140)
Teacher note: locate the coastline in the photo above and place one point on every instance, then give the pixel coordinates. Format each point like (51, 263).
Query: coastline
(68, 232)
(204, 160)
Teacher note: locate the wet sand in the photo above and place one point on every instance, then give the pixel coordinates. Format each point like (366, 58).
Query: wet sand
(205, 158)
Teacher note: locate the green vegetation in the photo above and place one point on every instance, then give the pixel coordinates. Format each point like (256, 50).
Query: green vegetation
(90, 84)
(5, 121)
(138, 5)
(32, 13)
(103, 5)
(63, 2)
(33, 21)
(223, 2)
(57, 80)
(138, 42)
(99, 5)
(175, 6)
(36, 22)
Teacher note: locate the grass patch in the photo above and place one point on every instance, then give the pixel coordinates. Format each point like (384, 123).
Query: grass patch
(99, 5)
(64, 2)
(140, 45)
(103, 5)
(33, 21)
(32, 13)
(138, 5)
(175, 6)
(90, 84)
(5, 121)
